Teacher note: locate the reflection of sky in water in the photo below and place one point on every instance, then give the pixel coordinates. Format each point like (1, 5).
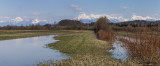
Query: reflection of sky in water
(28, 51)
(119, 52)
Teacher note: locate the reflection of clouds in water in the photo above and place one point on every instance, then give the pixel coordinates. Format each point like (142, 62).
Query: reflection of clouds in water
(42, 39)
(35, 41)
(119, 52)
(18, 41)
(35, 38)
(31, 49)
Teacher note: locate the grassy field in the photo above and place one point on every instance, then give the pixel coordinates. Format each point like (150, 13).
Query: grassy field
(86, 50)
(83, 47)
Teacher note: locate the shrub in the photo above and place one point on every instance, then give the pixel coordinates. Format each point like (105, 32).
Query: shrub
(105, 35)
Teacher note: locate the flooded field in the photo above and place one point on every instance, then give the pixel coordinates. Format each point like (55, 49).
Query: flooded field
(119, 52)
(28, 51)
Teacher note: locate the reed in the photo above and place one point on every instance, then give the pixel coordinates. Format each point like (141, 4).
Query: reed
(144, 47)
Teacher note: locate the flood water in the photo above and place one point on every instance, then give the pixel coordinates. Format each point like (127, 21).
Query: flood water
(28, 51)
(119, 51)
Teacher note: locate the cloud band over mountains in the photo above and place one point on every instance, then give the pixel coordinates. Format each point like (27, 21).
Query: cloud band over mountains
(84, 16)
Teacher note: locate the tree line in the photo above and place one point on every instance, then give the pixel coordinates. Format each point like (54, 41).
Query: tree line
(65, 24)
(68, 24)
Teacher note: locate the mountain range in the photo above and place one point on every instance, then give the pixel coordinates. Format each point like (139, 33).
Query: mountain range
(26, 23)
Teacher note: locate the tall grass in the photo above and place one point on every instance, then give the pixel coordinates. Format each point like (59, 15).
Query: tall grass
(89, 60)
(144, 47)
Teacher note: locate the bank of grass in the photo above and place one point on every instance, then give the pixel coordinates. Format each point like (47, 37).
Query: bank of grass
(85, 50)
(13, 34)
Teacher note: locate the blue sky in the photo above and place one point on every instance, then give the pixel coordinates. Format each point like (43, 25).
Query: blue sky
(55, 10)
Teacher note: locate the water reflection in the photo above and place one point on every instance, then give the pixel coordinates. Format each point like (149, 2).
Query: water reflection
(119, 52)
(28, 51)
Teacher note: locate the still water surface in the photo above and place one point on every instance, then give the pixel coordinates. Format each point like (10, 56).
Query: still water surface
(28, 51)
(119, 51)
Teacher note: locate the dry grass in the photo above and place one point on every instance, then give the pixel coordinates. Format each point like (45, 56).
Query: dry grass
(144, 47)
(89, 60)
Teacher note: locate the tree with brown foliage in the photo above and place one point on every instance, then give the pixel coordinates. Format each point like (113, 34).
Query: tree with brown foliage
(102, 24)
(103, 30)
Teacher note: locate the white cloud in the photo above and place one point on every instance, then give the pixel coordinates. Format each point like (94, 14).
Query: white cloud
(83, 16)
(43, 20)
(76, 7)
(96, 16)
(35, 21)
(17, 19)
(2, 21)
(35, 13)
(125, 7)
(118, 18)
(5, 17)
(135, 17)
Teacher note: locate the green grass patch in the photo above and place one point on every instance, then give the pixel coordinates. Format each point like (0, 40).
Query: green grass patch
(85, 50)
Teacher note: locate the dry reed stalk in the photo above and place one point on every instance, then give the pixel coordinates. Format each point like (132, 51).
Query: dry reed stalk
(145, 47)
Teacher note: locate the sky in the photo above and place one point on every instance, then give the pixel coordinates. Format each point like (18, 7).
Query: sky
(55, 10)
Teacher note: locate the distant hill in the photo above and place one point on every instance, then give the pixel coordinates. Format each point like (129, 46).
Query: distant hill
(140, 22)
(67, 22)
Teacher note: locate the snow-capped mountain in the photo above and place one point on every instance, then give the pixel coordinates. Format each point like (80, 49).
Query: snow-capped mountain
(24, 23)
